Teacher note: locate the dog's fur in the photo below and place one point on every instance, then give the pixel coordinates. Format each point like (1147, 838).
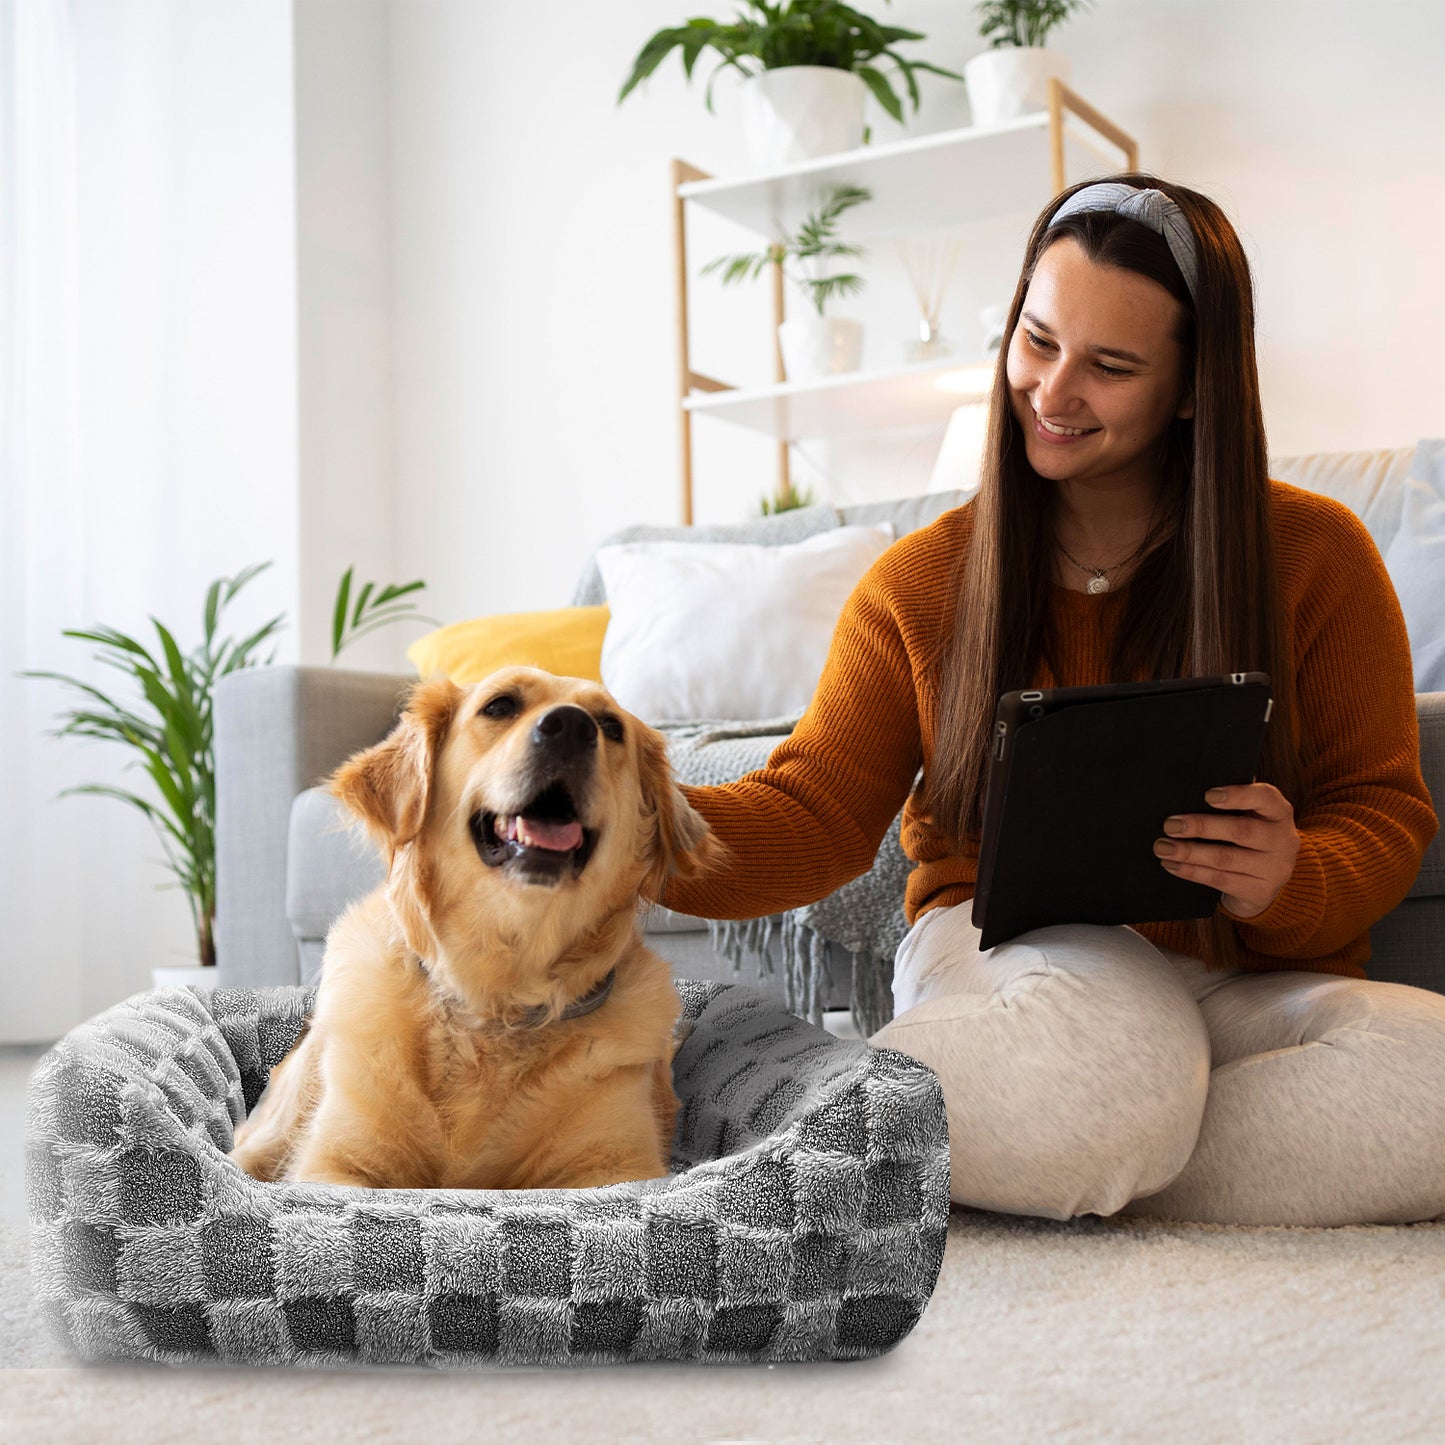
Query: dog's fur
(420, 1067)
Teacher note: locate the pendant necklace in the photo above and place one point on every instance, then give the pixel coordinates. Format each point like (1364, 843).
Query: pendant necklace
(1099, 576)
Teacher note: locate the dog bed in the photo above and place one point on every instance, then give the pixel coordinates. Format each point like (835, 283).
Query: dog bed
(804, 1219)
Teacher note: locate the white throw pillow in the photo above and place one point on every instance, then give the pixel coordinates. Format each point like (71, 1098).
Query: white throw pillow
(1416, 564)
(727, 630)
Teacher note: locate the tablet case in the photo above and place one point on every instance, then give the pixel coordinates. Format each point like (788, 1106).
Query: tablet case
(1079, 786)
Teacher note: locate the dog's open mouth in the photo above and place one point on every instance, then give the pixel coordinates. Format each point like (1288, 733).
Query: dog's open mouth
(543, 841)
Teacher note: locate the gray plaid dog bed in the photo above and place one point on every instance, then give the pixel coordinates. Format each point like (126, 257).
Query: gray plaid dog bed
(804, 1219)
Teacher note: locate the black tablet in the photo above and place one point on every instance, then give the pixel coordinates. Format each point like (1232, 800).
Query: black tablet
(1080, 783)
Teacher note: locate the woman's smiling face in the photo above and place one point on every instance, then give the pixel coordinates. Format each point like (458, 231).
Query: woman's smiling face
(1096, 370)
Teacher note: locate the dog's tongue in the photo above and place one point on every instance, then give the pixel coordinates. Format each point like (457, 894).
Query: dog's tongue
(555, 837)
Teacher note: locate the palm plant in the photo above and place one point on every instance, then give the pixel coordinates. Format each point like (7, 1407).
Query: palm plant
(1023, 22)
(813, 244)
(793, 32)
(170, 727)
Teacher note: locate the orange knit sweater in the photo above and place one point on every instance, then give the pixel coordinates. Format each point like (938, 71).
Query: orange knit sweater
(812, 818)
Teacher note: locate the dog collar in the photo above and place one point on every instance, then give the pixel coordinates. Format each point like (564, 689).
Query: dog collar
(584, 1005)
(535, 1017)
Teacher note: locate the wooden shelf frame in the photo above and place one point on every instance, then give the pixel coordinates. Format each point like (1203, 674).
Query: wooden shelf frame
(750, 200)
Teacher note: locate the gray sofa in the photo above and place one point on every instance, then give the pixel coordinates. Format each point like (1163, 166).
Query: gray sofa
(287, 865)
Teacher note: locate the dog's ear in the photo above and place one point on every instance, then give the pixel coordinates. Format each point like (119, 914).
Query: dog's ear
(388, 786)
(682, 844)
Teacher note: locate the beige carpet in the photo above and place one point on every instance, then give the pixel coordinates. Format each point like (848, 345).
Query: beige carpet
(1090, 1330)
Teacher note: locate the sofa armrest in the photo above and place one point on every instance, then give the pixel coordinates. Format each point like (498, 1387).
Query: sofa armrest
(279, 730)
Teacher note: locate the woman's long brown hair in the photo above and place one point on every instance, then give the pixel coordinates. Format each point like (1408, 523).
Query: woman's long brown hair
(1204, 599)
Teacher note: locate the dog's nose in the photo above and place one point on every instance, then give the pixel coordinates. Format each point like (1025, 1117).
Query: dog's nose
(565, 730)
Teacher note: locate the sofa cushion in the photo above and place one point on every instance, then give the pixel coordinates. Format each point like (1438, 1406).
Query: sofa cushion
(1370, 484)
(774, 531)
(1415, 561)
(904, 514)
(566, 640)
(727, 630)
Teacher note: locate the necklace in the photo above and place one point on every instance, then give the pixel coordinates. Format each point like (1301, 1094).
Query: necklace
(1099, 576)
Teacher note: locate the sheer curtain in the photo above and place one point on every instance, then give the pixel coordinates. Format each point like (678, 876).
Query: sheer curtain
(42, 515)
(147, 430)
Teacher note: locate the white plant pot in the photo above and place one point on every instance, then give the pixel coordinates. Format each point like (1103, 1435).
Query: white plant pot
(1011, 81)
(801, 111)
(815, 346)
(183, 974)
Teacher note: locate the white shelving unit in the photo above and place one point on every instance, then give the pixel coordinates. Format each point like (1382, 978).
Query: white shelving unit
(923, 183)
(852, 403)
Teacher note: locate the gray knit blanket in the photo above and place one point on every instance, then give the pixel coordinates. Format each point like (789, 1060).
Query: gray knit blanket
(856, 929)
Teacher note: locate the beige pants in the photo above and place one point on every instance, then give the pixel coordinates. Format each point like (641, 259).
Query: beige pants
(1087, 1072)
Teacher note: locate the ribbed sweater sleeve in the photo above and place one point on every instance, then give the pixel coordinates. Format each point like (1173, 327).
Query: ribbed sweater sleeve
(1368, 816)
(812, 818)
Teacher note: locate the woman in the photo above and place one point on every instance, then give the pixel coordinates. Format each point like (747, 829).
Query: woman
(1241, 1070)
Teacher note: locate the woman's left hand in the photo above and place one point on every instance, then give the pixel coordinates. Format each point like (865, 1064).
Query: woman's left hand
(1249, 858)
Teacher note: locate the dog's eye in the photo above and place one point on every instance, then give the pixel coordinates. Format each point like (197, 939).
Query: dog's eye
(501, 707)
(611, 728)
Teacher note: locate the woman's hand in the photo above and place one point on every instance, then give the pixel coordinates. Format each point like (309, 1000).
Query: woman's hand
(1249, 858)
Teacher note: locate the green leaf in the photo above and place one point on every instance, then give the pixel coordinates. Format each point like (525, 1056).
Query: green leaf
(395, 591)
(371, 627)
(338, 618)
(877, 82)
(361, 603)
(234, 584)
(183, 714)
(113, 708)
(657, 49)
(102, 790)
(908, 77)
(110, 638)
(213, 607)
(935, 69)
(728, 62)
(240, 652)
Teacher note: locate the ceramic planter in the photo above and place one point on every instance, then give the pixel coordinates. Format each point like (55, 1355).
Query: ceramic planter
(816, 346)
(1012, 81)
(800, 112)
(182, 975)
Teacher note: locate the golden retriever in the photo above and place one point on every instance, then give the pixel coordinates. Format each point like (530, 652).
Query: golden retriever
(489, 1018)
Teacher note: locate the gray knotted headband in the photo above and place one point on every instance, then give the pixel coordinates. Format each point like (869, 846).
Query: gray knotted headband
(1150, 207)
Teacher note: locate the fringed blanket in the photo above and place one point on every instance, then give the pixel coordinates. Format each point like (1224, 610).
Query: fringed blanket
(861, 923)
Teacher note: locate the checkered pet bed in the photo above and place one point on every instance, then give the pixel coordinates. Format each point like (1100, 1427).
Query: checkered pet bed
(804, 1218)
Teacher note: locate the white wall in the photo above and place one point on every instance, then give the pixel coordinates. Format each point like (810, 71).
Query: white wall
(533, 288)
(346, 343)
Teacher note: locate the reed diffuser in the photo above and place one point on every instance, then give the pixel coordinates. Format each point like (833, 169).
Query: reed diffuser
(930, 262)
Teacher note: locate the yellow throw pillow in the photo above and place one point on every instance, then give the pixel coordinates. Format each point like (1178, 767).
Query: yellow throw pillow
(567, 641)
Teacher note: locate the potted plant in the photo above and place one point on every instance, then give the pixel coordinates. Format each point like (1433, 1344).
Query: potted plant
(168, 729)
(808, 69)
(787, 498)
(1011, 78)
(818, 345)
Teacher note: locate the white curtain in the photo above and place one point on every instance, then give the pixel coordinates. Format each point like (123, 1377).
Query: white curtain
(147, 431)
(42, 517)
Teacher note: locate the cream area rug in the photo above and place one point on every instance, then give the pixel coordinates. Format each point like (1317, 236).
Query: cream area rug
(1086, 1330)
